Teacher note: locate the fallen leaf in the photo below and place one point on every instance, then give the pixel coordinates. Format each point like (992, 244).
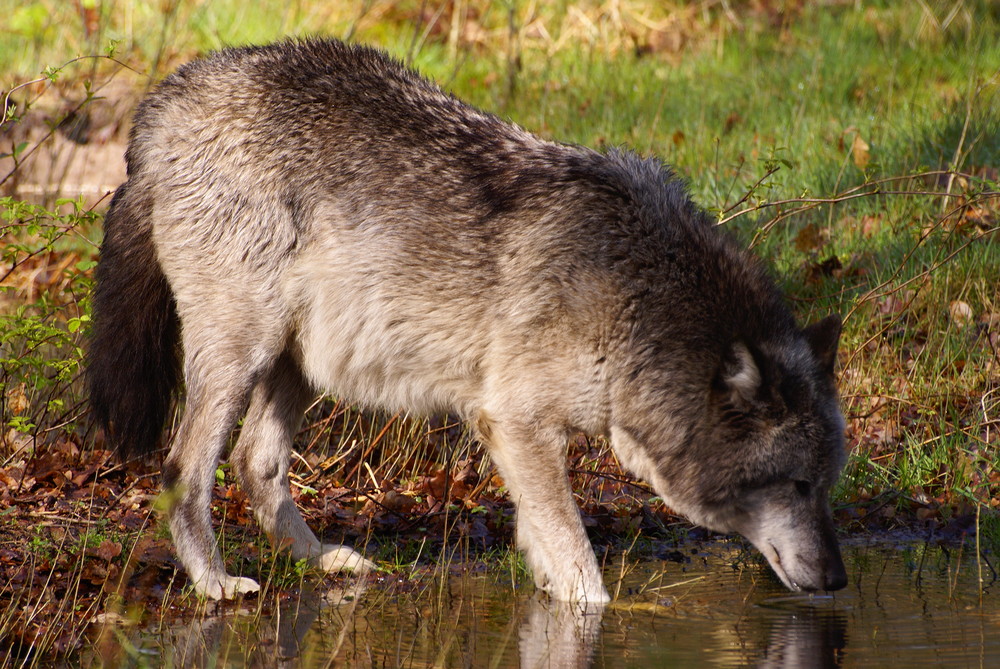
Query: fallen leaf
(981, 217)
(435, 484)
(895, 303)
(860, 151)
(961, 313)
(467, 474)
(398, 502)
(731, 122)
(870, 225)
(108, 618)
(109, 550)
(809, 238)
(459, 490)
(17, 400)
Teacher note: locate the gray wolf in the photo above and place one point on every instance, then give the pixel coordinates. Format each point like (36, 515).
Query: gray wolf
(312, 217)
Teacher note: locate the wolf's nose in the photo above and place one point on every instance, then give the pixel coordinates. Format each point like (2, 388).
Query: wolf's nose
(835, 576)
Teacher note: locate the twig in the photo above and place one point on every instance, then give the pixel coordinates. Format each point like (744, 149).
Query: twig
(866, 189)
(371, 446)
(612, 477)
(746, 196)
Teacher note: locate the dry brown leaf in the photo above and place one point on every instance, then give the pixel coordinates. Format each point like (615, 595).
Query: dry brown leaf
(961, 313)
(860, 152)
(395, 501)
(981, 217)
(895, 303)
(459, 490)
(809, 238)
(870, 225)
(109, 550)
(17, 400)
(732, 121)
(108, 618)
(666, 41)
(435, 483)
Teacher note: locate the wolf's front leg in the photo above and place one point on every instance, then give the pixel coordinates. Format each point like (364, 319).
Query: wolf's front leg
(532, 462)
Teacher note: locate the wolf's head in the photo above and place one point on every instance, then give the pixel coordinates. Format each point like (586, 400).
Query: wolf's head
(761, 446)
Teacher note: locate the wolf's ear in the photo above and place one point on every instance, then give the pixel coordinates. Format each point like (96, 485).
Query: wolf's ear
(823, 337)
(741, 376)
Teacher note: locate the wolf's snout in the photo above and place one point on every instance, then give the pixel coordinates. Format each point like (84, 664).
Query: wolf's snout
(831, 575)
(805, 562)
(835, 574)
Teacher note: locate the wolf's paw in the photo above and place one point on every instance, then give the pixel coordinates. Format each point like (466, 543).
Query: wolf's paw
(578, 590)
(342, 558)
(238, 585)
(596, 595)
(225, 587)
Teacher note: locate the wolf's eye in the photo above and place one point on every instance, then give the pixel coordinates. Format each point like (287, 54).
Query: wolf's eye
(803, 488)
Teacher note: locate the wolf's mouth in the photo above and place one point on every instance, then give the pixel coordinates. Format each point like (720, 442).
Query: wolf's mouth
(779, 569)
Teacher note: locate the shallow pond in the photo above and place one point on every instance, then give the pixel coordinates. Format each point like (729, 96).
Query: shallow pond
(906, 605)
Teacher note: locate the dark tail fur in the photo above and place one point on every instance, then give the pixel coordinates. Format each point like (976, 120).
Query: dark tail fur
(133, 365)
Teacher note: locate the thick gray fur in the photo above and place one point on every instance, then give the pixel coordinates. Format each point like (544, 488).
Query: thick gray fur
(318, 218)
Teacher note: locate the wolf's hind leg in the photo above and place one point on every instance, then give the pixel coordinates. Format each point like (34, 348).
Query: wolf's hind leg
(261, 458)
(216, 394)
(532, 462)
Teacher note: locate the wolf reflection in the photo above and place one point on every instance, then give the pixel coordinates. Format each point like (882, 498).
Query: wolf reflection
(319, 628)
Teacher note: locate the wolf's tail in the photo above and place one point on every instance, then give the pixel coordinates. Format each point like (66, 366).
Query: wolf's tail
(132, 364)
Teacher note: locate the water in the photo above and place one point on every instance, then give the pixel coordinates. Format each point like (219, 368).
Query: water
(908, 605)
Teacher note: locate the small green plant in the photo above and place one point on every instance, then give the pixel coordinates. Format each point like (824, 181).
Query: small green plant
(40, 545)
(398, 555)
(285, 573)
(508, 564)
(40, 338)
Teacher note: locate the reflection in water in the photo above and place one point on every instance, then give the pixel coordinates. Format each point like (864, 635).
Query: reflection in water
(197, 644)
(216, 640)
(806, 638)
(551, 635)
(700, 614)
(557, 635)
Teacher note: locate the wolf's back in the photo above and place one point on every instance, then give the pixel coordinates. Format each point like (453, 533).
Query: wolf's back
(132, 364)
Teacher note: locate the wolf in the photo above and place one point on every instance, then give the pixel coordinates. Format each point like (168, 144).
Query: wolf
(314, 217)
